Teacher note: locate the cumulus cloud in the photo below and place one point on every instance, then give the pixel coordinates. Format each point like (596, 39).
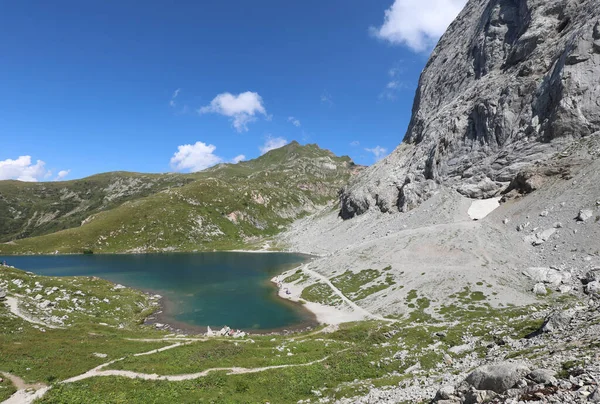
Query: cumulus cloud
(172, 103)
(61, 174)
(417, 24)
(22, 169)
(272, 143)
(237, 159)
(194, 157)
(294, 121)
(355, 143)
(241, 108)
(378, 151)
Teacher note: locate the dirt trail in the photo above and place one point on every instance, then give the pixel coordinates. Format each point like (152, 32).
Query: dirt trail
(26, 393)
(98, 372)
(13, 306)
(24, 396)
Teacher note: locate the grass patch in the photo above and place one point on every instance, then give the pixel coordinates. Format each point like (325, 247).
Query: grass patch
(7, 389)
(321, 293)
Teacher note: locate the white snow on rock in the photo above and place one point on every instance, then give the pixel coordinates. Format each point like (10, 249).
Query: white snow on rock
(481, 208)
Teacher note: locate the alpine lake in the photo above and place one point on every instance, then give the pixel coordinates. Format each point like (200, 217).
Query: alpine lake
(198, 289)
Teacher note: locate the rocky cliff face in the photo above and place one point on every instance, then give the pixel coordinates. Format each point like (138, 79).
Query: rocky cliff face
(511, 83)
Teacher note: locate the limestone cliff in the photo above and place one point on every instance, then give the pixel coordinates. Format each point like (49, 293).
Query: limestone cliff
(510, 83)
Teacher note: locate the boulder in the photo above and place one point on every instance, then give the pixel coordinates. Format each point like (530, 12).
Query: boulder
(445, 392)
(498, 377)
(2, 294)
(546, 275)
(595, 396)
(593, 288)
(593, 275)
(478, 396)
(542, 376)
(557, 321)
(539, 289)
(584, 215)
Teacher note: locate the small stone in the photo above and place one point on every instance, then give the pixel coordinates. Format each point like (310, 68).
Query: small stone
(539, 289)
(544, 213)
(558, 225)
(584, 215)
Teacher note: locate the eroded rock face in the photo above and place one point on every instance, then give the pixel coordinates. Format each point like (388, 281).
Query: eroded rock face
(510, 83)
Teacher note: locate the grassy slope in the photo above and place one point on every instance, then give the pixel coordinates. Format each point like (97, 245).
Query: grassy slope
(228, 206)
(31, 209)
(356, 357)
(43, 354)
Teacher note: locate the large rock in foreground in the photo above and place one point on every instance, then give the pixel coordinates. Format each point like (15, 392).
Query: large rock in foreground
(509, 84)
(497, 378)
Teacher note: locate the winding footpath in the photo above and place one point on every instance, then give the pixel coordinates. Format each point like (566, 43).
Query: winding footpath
(13, 306)
(355, 307)
(27, 394)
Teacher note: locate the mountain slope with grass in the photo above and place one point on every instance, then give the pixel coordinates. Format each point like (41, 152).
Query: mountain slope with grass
(29, 209)
(227, 206)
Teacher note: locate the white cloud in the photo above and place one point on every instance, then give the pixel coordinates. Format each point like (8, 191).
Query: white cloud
(172, 103)
(196, 157)
(237, 159)
(62, 174)
(394, 85)
(417, 24)
(272, 143)
(294, 121)
(355, 143)
(378, 151)
(326, 98)
(23, 170)
(242, 108)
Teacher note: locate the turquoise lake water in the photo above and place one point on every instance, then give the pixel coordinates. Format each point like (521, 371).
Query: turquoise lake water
(214, 289)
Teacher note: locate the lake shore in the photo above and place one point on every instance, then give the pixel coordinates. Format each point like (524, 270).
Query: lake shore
(163, 316)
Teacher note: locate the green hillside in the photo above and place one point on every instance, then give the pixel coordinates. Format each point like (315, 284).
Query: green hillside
(227, 206)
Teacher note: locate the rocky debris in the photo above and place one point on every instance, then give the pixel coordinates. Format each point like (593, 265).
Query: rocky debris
(497, 377)
(584, 215)
(510, 84)
(225, 332)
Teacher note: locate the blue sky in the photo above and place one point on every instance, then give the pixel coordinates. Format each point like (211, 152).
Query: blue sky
(155, 86)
